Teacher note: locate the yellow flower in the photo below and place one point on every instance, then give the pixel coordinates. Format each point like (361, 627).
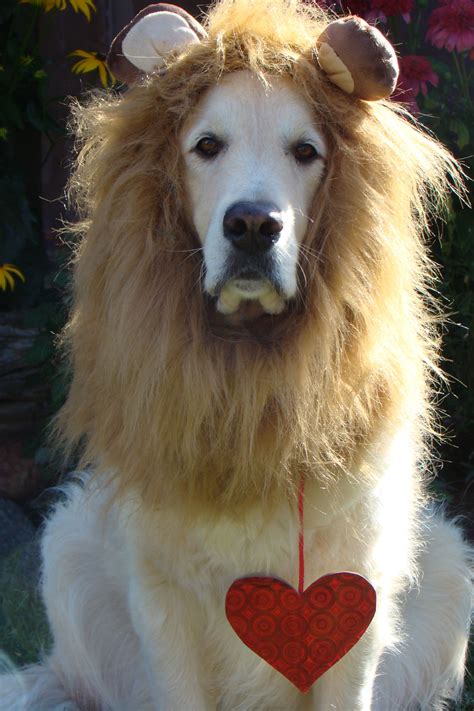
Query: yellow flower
(89, 63)
(6, 279)
(84, 6)
(51, 4)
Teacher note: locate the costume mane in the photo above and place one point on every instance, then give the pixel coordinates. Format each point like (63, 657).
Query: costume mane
(164, 398)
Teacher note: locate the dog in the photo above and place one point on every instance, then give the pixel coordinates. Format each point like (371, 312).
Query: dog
(251, 311)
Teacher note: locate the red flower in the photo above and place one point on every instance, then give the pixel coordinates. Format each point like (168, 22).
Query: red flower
(452, 25)
(415, 73)
(393, 7)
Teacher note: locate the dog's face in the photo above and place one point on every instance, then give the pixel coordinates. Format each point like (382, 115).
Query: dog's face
(252, 151)
(253, 160)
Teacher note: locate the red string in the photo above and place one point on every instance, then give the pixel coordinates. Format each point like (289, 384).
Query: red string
(301, 536)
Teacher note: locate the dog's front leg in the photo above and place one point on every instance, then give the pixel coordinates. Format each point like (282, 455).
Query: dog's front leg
(168, 621)
(347, 686)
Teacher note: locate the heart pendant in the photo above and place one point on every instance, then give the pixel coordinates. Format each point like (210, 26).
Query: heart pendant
(301, 635)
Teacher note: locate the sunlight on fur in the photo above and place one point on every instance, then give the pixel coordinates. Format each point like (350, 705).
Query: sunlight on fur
(223, 415)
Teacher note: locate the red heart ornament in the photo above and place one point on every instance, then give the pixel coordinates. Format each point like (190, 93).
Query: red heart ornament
(301, 635)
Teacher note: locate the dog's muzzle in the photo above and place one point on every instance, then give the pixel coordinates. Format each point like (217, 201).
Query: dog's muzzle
(252, 228)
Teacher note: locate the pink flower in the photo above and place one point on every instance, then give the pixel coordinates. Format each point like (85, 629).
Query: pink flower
(415, 73)
(452, 25)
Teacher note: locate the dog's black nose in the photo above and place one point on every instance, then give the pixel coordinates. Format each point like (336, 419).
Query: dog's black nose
(253, 226)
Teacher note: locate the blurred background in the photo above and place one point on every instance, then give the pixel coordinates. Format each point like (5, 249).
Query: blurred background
(54, 49)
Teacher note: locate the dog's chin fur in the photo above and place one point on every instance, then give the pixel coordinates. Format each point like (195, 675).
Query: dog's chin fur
(251, 322)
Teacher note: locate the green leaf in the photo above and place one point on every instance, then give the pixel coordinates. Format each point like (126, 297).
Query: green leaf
(439, 66)
(462, 132)
(429, 103)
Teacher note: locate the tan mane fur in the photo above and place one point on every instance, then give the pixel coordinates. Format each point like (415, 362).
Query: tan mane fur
(168, 403)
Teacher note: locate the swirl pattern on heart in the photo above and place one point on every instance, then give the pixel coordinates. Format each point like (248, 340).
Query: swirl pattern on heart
(303, 634)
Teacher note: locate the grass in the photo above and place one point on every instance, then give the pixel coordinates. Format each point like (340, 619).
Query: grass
(24, 631)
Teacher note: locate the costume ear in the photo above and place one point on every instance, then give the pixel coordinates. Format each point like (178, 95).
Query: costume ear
(141, 47)
(358, 58)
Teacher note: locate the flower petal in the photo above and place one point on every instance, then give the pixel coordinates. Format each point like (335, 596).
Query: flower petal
(82, 53)
(84, 6)
(9, 280)
(14, 270)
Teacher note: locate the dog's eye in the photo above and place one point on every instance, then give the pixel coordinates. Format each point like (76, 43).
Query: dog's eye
(305, 153)
(208, 147)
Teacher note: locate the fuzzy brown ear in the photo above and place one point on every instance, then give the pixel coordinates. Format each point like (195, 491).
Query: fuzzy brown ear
(358, 58)
(141, 47)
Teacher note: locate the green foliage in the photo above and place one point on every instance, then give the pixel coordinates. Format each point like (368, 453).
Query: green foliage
(24, 630)
(456, 253)
(24, 120)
